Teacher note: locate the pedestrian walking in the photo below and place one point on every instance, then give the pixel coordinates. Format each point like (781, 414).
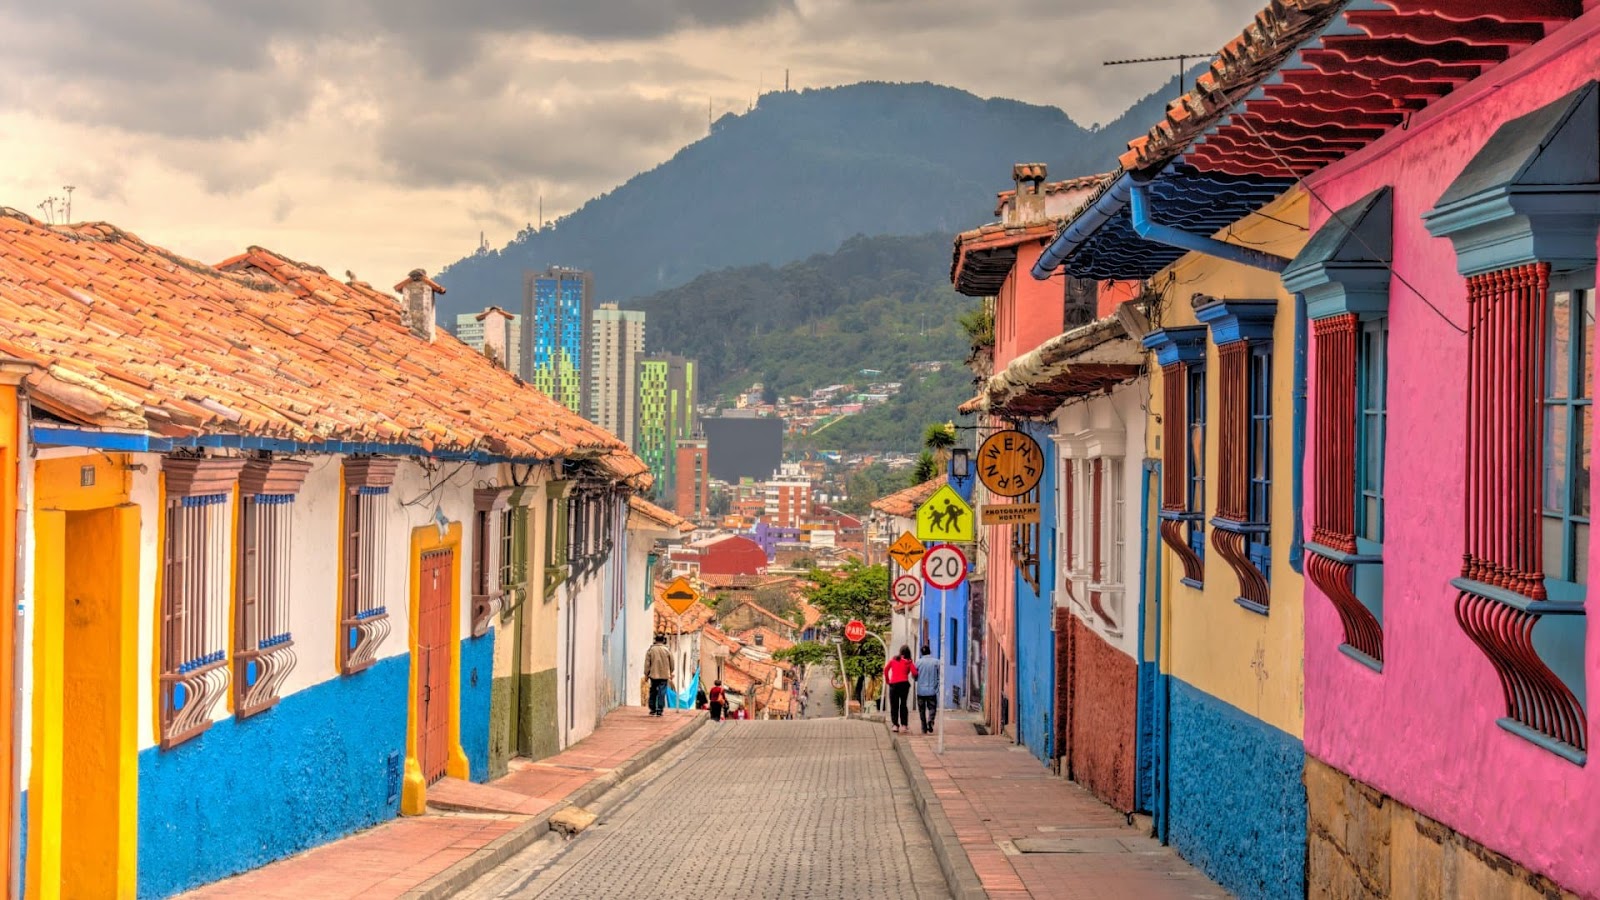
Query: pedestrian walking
(719, 701)
(658, 668)
(700, 699)
(927, 688)
(897, 673)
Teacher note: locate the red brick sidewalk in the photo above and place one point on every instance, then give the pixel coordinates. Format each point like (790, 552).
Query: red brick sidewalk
(400, 855)
(995, 794)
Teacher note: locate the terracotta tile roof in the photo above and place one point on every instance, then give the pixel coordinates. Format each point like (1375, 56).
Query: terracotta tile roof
(777, 701)
(811, 613)
(765, 612)
(1089, 359)
(984, 256)
(660, 516)
(770, 640)
(1316, 93)
(737, 680)
(128, 335)
(1082, 182)
(904, 503)
(718, 636)
(668, 622)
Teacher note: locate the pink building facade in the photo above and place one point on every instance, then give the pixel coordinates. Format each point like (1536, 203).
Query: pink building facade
(1452, 261)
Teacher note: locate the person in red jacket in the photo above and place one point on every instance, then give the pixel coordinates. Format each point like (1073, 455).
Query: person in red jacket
(718, 701)
(897, 673)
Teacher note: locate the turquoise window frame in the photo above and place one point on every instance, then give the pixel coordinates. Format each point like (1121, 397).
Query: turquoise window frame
(1568, 399)
(1259, 540)
(1195, 395)
(1372, 430)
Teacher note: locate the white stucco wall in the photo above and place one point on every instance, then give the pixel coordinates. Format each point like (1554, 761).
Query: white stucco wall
(1110, 427)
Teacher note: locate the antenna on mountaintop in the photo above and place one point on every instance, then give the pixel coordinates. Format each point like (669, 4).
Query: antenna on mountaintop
(708, 114)
(1181, 59)
(786, 81)
(541, 212)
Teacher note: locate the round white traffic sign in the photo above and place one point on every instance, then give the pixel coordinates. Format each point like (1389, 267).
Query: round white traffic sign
(906, 592)
(945, 566)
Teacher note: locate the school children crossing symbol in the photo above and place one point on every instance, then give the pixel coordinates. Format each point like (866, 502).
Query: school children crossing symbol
(946, 517)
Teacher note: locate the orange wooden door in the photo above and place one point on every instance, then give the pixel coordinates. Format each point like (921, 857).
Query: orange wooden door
(433, 661)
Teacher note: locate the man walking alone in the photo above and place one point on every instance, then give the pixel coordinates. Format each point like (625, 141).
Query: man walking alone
(928, 689)
(658, 668)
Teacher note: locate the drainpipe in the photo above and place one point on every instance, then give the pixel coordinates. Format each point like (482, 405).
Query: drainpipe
(1083, 227)
(1297, 549)
(1155, 232)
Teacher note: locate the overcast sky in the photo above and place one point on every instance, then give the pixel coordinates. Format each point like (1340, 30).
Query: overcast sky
(382, 135)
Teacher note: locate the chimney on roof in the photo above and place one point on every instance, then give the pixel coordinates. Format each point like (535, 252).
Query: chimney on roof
(497, 335)
(1028, 208)
(416, 303)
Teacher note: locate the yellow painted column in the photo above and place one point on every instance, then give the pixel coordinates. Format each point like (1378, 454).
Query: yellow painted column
(44, 784)
(126, 526)
(11, 444)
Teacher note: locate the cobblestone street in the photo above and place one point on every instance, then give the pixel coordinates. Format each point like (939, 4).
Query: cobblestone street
(801, 809)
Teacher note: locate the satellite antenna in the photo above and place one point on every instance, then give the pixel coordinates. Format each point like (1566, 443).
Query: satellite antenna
(69, 189)
(1181, 59)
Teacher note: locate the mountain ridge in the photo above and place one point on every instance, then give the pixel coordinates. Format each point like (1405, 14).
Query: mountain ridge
(799, 174)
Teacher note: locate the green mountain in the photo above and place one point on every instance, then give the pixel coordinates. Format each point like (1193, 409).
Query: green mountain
(799, 174)
(881, 303)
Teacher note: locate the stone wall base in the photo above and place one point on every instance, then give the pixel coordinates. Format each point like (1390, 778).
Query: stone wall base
(1363, 844)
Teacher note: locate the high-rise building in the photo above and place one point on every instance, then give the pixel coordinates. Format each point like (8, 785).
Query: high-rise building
(556, 308)
(693, 496)
(617, 345)
(788, 498)
(666, 415)
(496, 328)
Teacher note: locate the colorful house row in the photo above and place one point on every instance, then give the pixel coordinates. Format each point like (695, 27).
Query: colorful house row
(1363, 657)
(283, 557)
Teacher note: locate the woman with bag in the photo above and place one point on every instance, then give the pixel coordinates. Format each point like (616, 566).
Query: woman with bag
(898, 673)
(719, 701)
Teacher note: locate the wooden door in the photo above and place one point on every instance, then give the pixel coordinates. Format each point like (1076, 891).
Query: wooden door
(433, 665)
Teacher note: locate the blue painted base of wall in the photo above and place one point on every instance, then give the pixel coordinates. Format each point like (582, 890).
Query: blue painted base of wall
(1144, 784)
(1237, 804)
(477, 677)
(324, 762)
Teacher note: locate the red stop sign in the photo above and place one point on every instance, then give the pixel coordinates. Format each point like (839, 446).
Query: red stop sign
(855, 630)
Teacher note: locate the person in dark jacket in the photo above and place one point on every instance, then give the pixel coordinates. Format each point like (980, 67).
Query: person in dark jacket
(927, 688)
(718, 701)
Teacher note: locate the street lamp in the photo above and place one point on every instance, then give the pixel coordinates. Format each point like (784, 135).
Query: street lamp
(960, 463)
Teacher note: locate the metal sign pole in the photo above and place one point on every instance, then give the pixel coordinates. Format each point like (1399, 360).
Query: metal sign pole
(944, 640)
(844, 682)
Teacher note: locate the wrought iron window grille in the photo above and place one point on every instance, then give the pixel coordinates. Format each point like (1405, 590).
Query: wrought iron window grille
(197, 570)
(263, 653)
(364, 615)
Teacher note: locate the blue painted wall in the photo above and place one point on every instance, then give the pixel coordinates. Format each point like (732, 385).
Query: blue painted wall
(1237, 803)
(1036, 644)
(323, 763)
(477, 675)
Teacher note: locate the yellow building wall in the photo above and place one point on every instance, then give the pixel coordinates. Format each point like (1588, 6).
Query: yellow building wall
(1250, 661)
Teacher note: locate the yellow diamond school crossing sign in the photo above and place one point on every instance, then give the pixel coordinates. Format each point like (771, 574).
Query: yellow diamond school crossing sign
(680, 595)
(946, 517)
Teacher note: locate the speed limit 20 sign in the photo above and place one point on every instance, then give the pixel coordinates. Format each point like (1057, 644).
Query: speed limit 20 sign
(906, 592)
(945, 566)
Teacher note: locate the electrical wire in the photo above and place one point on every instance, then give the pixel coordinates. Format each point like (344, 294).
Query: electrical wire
(1301, 182)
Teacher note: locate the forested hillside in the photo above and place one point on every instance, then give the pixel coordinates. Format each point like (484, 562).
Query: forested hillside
(801, 173)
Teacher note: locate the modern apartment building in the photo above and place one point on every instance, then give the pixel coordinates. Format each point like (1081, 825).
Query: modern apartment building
(666, 415)
(556, 311)
(616, 346)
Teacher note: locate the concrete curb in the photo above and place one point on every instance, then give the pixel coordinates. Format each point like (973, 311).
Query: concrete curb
(480, 863)
(957, 867)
